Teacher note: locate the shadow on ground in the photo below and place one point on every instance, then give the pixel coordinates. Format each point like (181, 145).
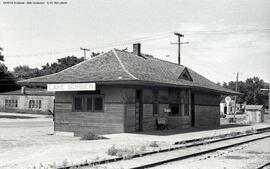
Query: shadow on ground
(189, 130)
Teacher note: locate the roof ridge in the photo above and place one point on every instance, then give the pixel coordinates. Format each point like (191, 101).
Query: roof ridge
(152, 58)
(122, 65)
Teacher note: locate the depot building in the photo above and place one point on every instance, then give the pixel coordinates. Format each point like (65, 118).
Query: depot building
(121, 91)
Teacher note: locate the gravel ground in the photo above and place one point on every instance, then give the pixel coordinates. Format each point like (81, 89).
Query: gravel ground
(248, 156)
(29, 142)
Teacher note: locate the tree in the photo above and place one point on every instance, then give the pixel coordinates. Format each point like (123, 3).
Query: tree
(7, 80)
(25, 72)
(94, 54)
(253, 86)
(250, 90)
(60, 65)
(1, 56)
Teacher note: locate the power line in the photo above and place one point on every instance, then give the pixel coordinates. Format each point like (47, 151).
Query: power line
(150, 38)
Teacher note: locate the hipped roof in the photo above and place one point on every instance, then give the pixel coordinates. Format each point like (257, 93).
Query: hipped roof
(120, 67)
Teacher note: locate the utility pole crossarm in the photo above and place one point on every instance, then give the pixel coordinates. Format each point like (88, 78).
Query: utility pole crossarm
(179, 43)
(84, 52)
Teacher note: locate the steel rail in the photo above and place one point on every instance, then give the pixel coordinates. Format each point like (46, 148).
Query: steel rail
(258, 131)
(264, 165)
(198, 154)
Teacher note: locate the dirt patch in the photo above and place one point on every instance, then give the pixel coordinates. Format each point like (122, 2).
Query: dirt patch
(235, 157)
(15, 117)
(255, 152)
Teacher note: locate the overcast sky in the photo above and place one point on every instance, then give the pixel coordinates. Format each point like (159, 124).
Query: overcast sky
(225, 36)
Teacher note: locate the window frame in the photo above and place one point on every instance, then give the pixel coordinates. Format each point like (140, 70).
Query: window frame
(84, 103)
(35, 104)
(11, 103)
(94, 104)
(155, 94)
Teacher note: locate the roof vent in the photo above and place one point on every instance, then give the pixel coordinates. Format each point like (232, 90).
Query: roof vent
(185, 75)
(137, 49)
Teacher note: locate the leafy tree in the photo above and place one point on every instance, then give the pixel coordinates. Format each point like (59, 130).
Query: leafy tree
(25, 72)
(253, 94)
(94, 54)
(60, 65)
(7, 80)
(1, 56)
(250, 90)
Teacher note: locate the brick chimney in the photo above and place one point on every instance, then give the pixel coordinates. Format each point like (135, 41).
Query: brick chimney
(137, 49)
(23, 90)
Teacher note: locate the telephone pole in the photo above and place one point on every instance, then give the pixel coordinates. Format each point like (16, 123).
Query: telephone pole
(179, 43)
(236, 89)
(84, 51)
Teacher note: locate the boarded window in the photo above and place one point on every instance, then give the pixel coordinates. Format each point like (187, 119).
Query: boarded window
(30, 104)
(34, 104)
(155, 102)
(11, 103)
(78, 103)
(98, 104)
(39, 104)
(89, 103)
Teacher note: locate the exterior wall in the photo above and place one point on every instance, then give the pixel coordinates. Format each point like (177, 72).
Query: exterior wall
(119, 111)
(47, 103)
(181, 121)
(207, 110)
(109, 121)
(149, 119)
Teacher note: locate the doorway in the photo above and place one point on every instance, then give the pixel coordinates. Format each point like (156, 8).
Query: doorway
(138, 111)
(192, 110)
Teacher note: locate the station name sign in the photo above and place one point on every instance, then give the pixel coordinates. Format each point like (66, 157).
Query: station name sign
(71, 87)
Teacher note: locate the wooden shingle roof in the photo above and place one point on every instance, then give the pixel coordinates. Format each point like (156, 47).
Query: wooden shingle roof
(123, 67)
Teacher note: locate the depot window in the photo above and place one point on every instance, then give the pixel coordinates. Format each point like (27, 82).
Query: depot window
(34, 104)
(88, 103)
(11, 103)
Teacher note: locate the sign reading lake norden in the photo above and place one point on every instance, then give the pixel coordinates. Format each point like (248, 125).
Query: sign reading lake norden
(72, 87)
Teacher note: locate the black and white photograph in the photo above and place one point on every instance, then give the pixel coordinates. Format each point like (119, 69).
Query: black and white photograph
(134, 84)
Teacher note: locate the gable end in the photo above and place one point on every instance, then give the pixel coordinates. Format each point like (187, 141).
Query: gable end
(185, 75)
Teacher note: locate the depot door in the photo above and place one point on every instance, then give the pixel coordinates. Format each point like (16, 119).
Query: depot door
(192, 111)
(138, 111)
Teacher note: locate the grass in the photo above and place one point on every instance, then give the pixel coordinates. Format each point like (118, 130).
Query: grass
(92, 136)
(125, 153)
(112, 151)
(153, 144)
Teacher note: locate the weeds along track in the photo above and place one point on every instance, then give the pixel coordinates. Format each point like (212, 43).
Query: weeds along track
(184, 145)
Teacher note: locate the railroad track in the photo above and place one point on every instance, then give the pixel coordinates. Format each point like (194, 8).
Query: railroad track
(199, 153)
(191, 143)
(264, 165)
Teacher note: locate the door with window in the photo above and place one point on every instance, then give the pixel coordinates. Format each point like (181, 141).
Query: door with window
(138, 111)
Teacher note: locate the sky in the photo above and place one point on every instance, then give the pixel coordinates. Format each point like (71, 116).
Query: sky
(225, 36)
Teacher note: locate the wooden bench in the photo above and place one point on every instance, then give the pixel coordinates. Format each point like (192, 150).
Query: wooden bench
(162, 123)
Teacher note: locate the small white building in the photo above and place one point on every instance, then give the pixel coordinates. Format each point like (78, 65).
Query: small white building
(27, 100)
(224, 109)
(254, 113)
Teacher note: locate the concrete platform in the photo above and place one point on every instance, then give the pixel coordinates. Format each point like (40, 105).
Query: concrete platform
(174, 135)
